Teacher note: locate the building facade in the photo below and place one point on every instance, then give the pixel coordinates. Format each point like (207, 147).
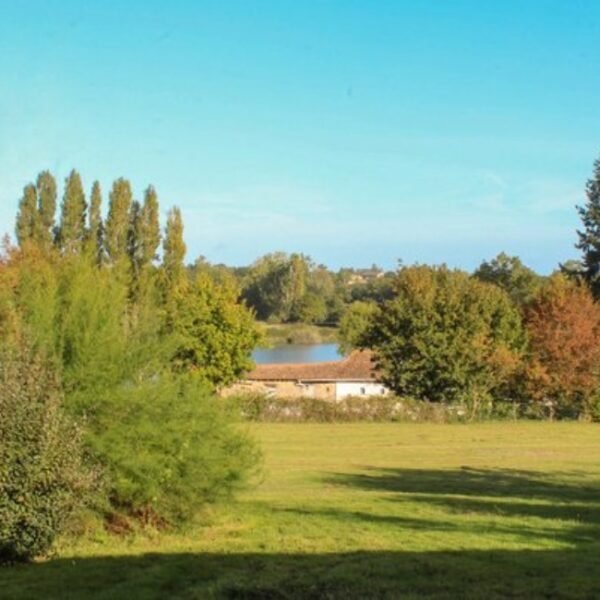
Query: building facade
(354, 375)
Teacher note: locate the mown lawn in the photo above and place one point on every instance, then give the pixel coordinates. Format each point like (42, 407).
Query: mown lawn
(371, 511)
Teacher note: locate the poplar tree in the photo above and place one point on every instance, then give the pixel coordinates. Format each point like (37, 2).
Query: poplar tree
(589, 238)
(116, 237)
(149, 228)
(174, 250)
(95, 228)
(46, 192)
(133, 237)
(27, 216)
(73, 214)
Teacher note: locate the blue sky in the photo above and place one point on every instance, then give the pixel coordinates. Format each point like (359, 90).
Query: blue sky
(356, 132)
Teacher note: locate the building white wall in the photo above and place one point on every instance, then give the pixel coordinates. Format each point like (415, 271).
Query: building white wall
(343, 389)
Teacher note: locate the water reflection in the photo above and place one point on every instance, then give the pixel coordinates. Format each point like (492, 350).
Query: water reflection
(297, 353)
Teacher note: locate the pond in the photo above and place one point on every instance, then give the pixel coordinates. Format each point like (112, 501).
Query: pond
(297, 353)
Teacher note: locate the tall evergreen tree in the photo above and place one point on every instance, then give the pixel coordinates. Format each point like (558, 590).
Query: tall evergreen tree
(174, 250)
(116, 237)
(589, 238)
(46, 192)
(73, 214)
(95, 226)
(149, 228)
(27, 216)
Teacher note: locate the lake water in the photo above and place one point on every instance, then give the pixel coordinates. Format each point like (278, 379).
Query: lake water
(297, 353)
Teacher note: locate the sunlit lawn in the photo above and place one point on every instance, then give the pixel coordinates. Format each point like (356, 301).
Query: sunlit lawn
(371, 511)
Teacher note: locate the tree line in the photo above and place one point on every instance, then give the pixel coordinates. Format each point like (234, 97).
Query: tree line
(500, 337)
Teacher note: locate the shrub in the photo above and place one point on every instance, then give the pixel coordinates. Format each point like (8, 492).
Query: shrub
(43, 479)
(262, 408)
(169, 447)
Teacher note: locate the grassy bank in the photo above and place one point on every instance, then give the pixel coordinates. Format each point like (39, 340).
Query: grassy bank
(279, 334)
(386, 510)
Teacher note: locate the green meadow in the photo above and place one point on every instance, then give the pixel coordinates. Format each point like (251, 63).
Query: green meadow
(494, 510)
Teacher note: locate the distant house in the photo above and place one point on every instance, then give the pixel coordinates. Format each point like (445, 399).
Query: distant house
(357, 276)
(354, 375)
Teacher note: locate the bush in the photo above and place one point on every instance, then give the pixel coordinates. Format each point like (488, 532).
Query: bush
(169, 447)
(261, 408)
(43, 479)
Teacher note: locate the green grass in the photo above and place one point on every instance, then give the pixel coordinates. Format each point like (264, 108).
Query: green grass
(348, 511)
(279, 334)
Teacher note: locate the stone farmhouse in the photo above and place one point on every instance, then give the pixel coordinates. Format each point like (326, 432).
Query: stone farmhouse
(354, 375)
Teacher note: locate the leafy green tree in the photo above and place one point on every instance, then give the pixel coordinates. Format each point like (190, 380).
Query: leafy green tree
(95, 226)
(276, 285)
(589, 237)
(174, 250)
(355, 323)
(118, 221)
(311, 308)
(149, 228)
(73, 215)
(214, 333)
(509, 273)
(446, 336)
(46, 192)
(27, 216)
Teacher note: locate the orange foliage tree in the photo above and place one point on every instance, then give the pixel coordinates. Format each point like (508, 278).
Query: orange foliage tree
(563, 371)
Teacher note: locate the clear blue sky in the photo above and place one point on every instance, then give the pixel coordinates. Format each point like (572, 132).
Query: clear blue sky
(357, 132)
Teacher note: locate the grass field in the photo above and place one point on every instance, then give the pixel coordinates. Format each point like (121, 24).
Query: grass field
(487, 511)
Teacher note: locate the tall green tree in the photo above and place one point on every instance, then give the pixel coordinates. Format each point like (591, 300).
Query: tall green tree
(116, 237)
(589, 236)
(174, 250)
(73, 214)
(46, 192)
(27, 216)
(149, 228)
(95, 226)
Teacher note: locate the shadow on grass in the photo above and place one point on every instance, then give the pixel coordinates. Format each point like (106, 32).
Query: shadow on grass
(360, 575)
(569, 572)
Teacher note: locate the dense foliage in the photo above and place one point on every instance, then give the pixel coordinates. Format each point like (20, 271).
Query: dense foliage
(138, 346)
(563, 370)
(168, 447)
(446, 336)
(43, 478)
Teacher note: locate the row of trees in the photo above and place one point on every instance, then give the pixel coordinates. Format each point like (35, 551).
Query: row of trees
(501, 334)
(292, 288)
(108, 363)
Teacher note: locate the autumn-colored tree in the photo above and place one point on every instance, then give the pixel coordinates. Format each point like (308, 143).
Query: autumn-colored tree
(563, 371)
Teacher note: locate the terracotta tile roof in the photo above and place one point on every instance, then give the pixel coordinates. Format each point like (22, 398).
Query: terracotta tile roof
(358, 366)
